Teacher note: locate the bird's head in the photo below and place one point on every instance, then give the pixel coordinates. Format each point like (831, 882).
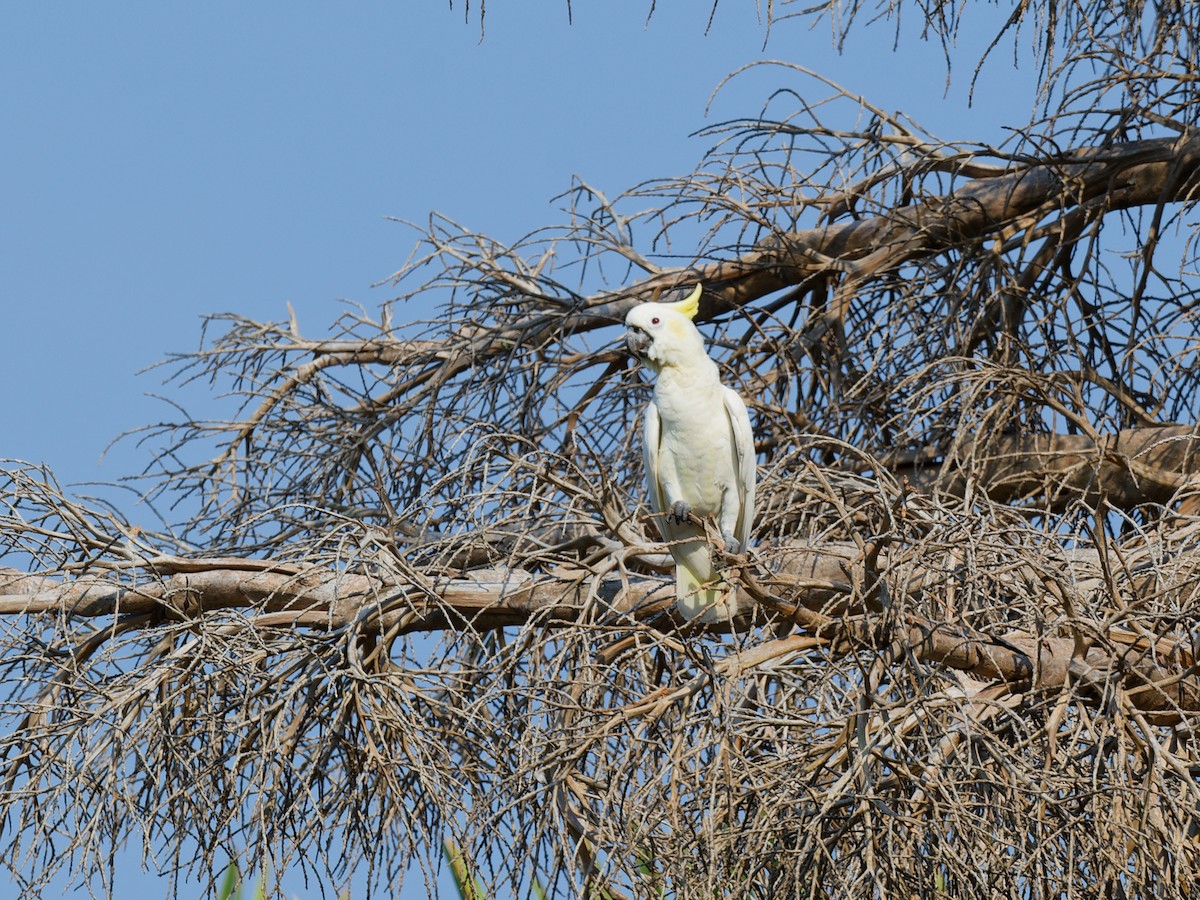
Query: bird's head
(662, 334)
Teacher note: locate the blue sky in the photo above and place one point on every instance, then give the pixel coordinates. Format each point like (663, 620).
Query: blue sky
(163, 161)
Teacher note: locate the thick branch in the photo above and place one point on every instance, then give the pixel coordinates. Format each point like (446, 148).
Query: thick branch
(812, 585)
(1119, 176)
(1135, 466)
(1124, 175)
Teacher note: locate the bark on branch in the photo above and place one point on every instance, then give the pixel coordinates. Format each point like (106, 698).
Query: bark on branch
(1119, 176)
(811, 584)
(1132, 467)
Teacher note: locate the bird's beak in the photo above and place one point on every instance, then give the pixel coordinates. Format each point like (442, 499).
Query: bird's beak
(637, 341)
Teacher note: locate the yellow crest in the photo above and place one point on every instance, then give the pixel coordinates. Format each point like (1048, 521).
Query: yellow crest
(690, 305)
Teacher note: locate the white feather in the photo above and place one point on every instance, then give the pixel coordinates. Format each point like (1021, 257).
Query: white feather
(699, 450)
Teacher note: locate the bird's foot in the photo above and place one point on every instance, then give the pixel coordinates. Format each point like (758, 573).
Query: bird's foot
(732, 545)
(681, 512)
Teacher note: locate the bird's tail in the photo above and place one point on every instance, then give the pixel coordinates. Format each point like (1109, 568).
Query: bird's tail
(700, 593)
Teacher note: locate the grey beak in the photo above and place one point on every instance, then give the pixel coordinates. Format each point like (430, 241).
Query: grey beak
(637, 341)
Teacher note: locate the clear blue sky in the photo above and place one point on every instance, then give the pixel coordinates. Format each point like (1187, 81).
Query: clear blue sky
(162, 161)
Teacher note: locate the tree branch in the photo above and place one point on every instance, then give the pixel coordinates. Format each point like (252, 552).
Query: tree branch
(1155, 670)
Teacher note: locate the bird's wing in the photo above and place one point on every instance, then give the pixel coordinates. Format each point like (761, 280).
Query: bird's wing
(747, 473)
(651, 436)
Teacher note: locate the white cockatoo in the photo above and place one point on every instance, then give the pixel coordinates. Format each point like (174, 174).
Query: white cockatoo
(699, 452)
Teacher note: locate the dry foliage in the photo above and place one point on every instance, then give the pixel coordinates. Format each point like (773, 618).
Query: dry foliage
(417, 594)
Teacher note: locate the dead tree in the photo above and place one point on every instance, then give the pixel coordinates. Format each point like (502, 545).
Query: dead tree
(415, 592)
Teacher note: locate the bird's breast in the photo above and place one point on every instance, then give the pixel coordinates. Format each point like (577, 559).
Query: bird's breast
(697, 446)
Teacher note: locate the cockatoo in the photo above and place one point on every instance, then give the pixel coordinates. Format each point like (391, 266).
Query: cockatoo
(698, 452)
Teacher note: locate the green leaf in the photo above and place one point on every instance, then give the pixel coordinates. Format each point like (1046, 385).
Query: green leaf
(469, 887)
(231, 884)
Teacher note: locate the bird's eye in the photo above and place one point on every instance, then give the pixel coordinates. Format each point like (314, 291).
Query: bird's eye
(654, 321)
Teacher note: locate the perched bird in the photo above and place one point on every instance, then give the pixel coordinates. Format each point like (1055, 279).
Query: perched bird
(699, 452)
